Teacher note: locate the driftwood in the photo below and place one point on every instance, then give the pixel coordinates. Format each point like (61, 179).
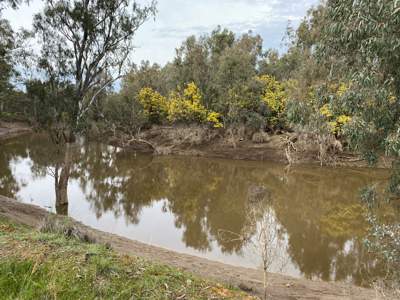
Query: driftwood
(158, 149)
(136, 140)
(290, 149)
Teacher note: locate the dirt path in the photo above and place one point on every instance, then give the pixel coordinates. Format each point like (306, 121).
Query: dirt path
(281, 287)
(11, 130)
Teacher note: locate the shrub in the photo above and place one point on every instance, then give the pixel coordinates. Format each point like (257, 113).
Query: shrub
(186, 107)
(123, 113)
(180, 107)
(154, 105)
(274, 96)
(323, 104)
(214, 119)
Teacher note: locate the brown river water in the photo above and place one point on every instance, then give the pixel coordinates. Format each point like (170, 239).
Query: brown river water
(201, 206)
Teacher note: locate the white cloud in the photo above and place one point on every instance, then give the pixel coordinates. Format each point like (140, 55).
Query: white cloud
(176, 19)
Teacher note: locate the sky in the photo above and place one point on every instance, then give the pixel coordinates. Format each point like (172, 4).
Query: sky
(158, 38)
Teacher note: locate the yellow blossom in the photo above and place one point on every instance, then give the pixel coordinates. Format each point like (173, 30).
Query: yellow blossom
(154, 105)
(214, 118)
(343, 119)
(343, 88)
(392, 99)
(325, 111)
(274, 94)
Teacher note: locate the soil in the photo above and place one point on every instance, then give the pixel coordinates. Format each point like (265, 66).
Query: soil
(197, 141)
(250, 280)
(11, 130)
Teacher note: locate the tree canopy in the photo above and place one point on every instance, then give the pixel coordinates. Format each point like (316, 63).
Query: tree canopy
(86, 45)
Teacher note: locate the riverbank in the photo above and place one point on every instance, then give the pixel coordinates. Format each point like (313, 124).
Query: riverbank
(218, 143)
(11, 130)
(280, 287)
(44, 264)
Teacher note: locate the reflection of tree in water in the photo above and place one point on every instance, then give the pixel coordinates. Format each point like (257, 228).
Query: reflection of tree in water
(48, 159)
(318, 208)
(197, 194)
(17, 149)
(326, 225)
(8, 184)
(115, 182)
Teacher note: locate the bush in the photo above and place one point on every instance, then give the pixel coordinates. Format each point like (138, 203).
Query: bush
(180, 107)
(154, 104)
(214, 118)
(123, 113)
(186, 107)
(322, 106)
(274, 96)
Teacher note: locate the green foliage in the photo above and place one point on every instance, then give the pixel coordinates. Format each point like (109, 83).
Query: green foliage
(145, 75)
(384, 234)
(6, 63)
(85, 45)
(123, 113)
(51, 103)
(384, 241)
(234, 73)
(299, 112)
(212, 79)
(364, 34)
(322, 109)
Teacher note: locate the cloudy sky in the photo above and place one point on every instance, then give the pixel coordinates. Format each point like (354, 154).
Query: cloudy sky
(177, 19)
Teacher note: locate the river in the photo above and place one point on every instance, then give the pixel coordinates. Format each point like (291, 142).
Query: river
(204, 206)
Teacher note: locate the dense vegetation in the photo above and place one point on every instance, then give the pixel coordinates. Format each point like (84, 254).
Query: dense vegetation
(339, 79)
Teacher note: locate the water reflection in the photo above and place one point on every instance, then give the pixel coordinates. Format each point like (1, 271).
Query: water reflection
(184, 203)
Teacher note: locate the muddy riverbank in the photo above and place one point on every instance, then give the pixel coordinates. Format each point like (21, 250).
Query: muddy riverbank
(279, 147)
(11, 130)
(195, 141)
(280, 286)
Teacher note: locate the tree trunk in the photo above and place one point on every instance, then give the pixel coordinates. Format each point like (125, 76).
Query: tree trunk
(61, 177)
(265, 284)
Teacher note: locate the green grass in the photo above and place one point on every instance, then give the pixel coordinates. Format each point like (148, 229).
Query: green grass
(36, 265)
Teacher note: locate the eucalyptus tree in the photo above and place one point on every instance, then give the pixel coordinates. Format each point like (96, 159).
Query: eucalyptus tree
(366, 36)
(192, 64)
(86, 44)
(6, 65)
(85, 48)
(7, 44)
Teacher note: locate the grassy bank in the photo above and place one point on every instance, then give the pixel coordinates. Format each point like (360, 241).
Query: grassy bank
(39, 265)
